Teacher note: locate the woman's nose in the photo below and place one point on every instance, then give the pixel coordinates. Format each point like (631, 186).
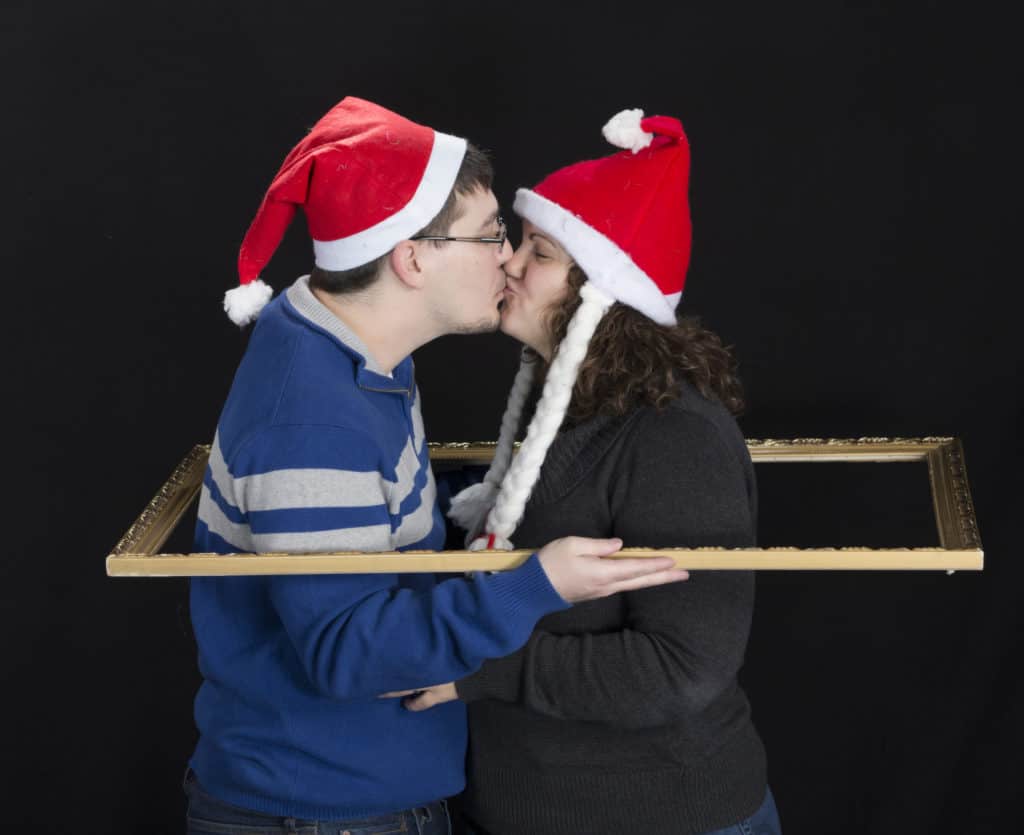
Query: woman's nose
(513, 263)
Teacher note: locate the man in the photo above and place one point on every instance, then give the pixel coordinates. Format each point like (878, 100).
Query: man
(320, 447)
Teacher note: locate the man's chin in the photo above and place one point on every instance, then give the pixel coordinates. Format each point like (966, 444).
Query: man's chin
(486, 325)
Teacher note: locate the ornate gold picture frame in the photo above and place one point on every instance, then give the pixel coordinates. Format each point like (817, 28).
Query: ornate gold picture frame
(138, 552)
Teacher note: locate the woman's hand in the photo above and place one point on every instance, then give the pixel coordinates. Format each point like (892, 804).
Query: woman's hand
(425, 697)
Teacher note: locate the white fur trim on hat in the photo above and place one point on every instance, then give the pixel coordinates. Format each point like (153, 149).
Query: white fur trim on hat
(623, 131)
(438, 178)
(244, 302)
(605, 264)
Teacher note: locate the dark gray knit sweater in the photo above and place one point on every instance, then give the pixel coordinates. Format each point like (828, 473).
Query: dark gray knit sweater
(624, 715)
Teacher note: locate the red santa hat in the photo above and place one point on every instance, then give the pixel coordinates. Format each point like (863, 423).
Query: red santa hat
(366, 178)
(625, 221)
(625, 218)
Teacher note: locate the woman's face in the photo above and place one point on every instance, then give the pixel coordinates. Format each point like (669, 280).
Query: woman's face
(537, 279)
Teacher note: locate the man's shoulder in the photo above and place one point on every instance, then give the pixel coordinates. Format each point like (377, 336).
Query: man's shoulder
(296, 374)
(293, 392)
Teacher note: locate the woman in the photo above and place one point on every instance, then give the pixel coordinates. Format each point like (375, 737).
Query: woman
(621, 715)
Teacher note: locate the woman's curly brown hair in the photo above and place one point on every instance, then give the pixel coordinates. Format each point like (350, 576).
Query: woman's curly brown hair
(632, 360)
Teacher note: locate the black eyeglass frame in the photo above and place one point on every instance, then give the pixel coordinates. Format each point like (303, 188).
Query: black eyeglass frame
(500, 240)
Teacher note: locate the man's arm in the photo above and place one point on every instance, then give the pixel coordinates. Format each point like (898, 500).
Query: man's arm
(360, 635)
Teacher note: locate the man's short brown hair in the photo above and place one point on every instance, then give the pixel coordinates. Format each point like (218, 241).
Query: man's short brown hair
(476, 172)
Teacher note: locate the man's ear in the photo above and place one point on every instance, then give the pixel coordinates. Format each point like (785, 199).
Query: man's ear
(405, 263)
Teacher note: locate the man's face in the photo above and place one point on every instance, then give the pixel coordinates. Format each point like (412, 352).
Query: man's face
(467, 281)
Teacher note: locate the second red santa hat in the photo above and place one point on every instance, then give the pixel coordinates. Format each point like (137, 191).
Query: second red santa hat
(624, 218)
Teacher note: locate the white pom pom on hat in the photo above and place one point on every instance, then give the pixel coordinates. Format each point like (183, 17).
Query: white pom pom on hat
(244, 302)
(623, 131)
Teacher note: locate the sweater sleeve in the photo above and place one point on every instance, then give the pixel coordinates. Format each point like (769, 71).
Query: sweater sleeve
(678, 483)
(359, 635)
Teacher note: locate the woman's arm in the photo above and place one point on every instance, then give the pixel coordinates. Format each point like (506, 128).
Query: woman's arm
(678, 483)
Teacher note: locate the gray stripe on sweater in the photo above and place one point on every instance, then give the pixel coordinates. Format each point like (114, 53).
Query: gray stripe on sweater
(237, 535)
(367, 538)
(417, 524)
(408, 466)
(364, 538)
(407, 469)
(287, 489)
(221, 475)
(315, 487)
(419, 435)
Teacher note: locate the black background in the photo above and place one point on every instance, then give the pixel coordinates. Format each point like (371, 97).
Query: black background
(852, 199)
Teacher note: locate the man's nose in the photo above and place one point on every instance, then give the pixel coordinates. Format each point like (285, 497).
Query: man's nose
(506, 252)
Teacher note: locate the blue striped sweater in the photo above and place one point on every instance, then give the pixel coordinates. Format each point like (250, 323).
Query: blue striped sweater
(318, 450)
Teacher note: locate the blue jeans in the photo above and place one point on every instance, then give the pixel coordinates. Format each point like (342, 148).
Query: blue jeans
(765, 821)
(209, 816)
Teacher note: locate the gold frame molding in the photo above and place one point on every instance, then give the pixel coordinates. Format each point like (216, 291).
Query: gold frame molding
(137, 553)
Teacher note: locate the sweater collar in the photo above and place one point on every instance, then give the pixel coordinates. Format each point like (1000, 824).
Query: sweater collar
(575, 451)
(369, 375)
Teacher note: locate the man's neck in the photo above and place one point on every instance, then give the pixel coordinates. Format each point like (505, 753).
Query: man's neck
(389, 332)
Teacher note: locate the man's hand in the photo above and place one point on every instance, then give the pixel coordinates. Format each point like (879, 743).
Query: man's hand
(425, 697)
(575, 567)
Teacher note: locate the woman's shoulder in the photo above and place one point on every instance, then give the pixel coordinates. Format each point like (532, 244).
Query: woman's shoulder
(689, 412)
(684, 477)
(690, 424)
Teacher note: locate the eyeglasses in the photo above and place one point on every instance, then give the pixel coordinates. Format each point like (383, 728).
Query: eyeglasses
(499, 240)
